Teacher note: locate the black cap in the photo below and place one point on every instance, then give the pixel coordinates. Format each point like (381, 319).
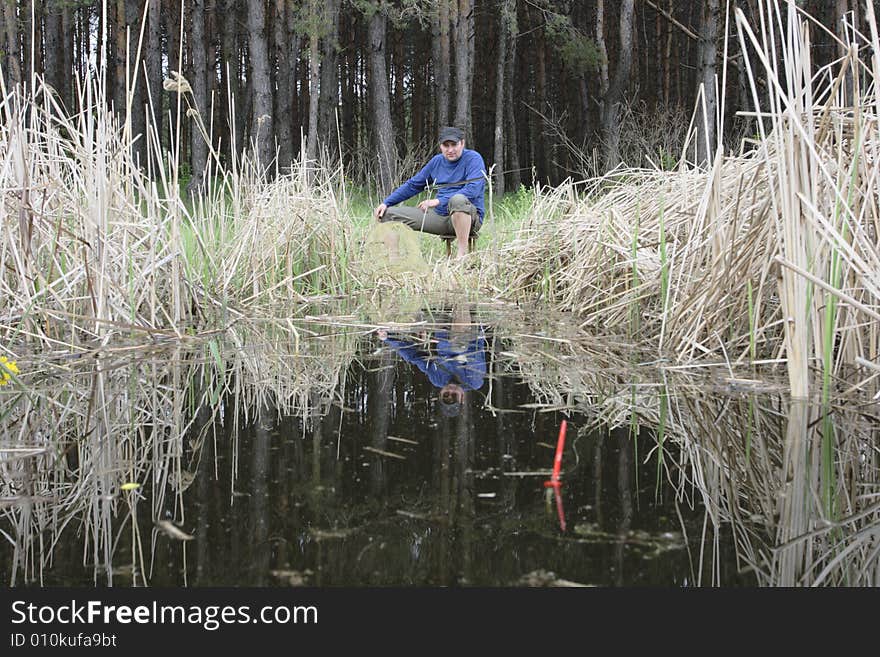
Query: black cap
(449, 133)
(450, 409)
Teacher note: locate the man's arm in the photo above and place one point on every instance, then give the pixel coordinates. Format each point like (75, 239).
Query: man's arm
(438, 376)
(412, 186)
(409, 351)
(475, 171)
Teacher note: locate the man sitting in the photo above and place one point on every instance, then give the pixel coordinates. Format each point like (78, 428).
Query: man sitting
(459, 175)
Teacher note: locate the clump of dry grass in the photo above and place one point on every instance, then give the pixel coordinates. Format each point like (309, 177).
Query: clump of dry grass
(288, 239)
(78, 257)
(741, 262)
(94, 248)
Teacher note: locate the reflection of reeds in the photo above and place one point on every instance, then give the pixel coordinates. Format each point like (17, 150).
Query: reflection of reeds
(755, 459)
(72, 440)
(773, 499)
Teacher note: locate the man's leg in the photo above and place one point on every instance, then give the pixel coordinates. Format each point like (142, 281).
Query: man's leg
(426, 222)
(392, 243)
(464, 221)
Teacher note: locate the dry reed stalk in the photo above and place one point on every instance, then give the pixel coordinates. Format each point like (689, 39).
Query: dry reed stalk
(806, 192)
(88, 235)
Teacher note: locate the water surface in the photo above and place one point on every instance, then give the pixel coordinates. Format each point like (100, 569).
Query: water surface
(318, 452)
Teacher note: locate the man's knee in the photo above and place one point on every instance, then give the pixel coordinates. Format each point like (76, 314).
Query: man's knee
(459, 203)
(394, 214)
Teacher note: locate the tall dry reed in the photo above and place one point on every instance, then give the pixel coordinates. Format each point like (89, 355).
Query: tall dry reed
(94, 248)
(742, 260)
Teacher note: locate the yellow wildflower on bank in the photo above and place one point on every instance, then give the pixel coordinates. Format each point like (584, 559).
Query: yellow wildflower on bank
(7, 367)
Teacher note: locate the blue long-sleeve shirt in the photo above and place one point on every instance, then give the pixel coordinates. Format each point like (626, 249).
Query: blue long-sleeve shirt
(454, 361)
(438, 171)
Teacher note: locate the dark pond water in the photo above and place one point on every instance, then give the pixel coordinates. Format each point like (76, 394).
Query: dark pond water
(290, 464)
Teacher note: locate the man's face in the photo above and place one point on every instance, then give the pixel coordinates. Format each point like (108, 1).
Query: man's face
(451, 393)
(452, 149)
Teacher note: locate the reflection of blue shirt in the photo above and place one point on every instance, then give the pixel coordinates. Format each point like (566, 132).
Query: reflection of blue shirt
(454, 362)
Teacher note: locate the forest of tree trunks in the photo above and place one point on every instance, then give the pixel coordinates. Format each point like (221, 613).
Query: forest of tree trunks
(544, 89)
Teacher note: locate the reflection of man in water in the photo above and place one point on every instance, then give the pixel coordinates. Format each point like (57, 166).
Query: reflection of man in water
(454, 359)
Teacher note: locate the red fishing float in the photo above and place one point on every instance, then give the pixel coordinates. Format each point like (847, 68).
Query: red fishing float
(557, 461)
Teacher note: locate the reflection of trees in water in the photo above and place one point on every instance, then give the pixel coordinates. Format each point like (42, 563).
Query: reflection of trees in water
(624, 484)
(268, 498)
(380, 404)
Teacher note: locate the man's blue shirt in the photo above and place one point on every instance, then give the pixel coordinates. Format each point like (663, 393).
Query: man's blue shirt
(438, 171)
(455, 361)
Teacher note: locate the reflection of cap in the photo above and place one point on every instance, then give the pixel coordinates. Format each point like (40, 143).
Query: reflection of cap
(449, 133)
(451, 408)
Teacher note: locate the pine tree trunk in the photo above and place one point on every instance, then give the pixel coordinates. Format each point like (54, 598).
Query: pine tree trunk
(154, 68)
(212, 81)
(119, 42)
(841, 7)
(173, 28)
(301, 125)
(329, 98)
(137, 84)
(420, 85)
(262, 130)
(52, 63)
(314, 96)
(283, 86)
(229, 72)
(706, 121)
(32, 38)
(470, 67)
(67, 49)
(510, 107)
(293, 57)
(382, 126)
(13, 47)
(659, 23)
(841, 19)
(617, 86)
(314, 78)
(84, 40)
(398, 97)
(199, 84)
(4, 61)
(463, 67)
(540, 159)
(349, 94)
(667, 61)
(442, 63)
(501, 63)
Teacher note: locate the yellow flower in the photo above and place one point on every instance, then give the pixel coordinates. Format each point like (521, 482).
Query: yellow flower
(6, 367)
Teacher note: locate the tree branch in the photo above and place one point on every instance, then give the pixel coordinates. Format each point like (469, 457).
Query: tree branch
(669, 17)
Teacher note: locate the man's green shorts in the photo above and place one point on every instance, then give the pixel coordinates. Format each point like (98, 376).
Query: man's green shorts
(430, 221)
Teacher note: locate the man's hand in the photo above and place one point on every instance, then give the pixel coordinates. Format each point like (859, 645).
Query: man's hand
(379, 211)
(427, 204)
